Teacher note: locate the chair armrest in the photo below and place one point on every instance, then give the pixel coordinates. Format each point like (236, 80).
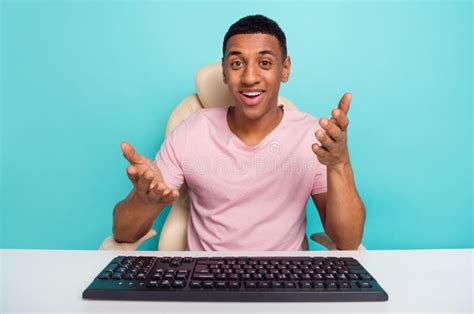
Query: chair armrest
(323, 239)
(110, 244)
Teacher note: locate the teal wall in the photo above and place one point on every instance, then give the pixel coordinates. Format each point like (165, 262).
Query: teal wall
(78, 77)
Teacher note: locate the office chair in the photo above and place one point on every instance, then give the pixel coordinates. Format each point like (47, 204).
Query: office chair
(211, 92)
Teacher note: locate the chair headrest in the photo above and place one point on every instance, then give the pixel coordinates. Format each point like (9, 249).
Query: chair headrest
(210, 87)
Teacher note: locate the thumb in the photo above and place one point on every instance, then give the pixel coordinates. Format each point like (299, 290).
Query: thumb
(131, 154)
(345, 102)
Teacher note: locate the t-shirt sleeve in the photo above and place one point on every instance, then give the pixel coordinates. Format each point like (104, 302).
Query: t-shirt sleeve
(169, 157)
(320, 184)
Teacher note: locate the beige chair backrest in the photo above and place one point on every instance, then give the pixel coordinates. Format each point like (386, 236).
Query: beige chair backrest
(210, 92)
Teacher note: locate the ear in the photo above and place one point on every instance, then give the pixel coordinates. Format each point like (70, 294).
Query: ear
(224, 78)
(286, 70)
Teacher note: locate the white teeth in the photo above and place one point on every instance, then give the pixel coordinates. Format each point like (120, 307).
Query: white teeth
(252, 94)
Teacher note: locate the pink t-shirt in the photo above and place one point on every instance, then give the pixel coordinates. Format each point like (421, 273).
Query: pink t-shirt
(244, 198)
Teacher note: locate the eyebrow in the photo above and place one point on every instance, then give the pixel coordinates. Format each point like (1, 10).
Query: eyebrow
(238, 53)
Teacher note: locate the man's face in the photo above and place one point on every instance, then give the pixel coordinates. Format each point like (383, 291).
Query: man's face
(253, 68)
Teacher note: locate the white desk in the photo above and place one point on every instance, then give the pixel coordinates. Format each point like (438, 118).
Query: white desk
(415, 280)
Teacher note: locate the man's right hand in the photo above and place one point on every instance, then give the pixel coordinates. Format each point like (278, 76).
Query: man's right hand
(147, 179)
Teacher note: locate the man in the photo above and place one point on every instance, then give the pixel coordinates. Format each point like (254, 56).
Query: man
(250, 168)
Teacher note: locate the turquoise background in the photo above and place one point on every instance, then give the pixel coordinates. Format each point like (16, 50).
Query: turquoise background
(78, 77)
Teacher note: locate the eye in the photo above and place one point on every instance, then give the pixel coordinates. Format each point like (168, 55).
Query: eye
(265, 63)
(236, 64)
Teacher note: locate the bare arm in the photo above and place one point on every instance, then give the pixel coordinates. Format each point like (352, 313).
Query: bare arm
(341, 208)
(134, 216)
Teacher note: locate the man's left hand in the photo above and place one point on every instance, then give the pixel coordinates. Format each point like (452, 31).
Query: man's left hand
(333, 150)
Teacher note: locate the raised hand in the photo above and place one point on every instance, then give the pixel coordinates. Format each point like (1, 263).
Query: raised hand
(146, 178)
(333, 149)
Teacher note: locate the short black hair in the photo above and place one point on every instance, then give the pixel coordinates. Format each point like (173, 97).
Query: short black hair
(256, 24)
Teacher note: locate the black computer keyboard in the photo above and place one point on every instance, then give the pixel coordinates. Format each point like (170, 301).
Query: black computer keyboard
(267, 279)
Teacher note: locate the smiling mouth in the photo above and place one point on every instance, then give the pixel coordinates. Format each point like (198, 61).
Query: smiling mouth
(251, 98)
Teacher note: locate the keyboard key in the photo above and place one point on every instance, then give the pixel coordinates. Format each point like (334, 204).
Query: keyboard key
(152, 284)
(201, 269)
(203, 276)
(118, 260)
(179, 284)
(344, 285)
(169, 276)
(129, 276)
(165, 284)
(181, 276)
(341, 277)
(365, 277)
(175, 263)
(277, 284)
(141, 276)
(250, 284)
(264, 284)
(117, 276)
(352, 277)
(221, 277)
(208, 284)
(305, 284)
(363, 284)
(195, 284)
(246, 277)
(157, 276)
(289, 284)
(319, 285)
(221, 284)
(329, 277)
(111, 267)
(105, 275)
(234, 284)
(331, 285)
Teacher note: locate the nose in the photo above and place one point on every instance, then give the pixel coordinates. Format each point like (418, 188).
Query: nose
(250, 75)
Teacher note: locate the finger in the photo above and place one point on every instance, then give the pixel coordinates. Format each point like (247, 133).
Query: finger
(144, 181)
(320, 152)
(325, 140)
(340, 118)
(157, 191)
(345, 102)
(172, 196)
(131, 154)
(133, 174)
(164, 194)
(332, 130)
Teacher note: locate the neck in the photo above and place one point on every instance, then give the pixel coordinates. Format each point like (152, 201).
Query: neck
(253, 128)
